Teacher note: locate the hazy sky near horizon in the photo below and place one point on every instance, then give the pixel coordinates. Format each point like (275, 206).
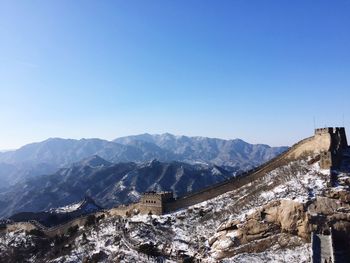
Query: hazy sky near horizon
(256, 70)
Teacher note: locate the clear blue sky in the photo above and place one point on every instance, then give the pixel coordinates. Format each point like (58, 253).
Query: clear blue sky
(256, 70)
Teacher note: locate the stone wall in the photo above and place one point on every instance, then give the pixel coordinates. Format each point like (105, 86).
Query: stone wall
(62, 229)
(331, 158)
(222, 188)
(314, 145)
(124, 210)
(27, 226)
(326, 161)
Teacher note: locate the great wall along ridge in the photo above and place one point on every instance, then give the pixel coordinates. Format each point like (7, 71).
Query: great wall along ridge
(326, 145)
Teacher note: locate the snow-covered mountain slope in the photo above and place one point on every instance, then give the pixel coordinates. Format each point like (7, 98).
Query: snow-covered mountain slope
(268, 220)
(109, 184)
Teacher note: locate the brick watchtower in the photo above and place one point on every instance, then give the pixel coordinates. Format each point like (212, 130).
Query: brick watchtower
(154, 202)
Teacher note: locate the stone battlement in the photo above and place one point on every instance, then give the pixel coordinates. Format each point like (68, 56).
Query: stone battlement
(320, 131)
(331, 157)
(330, 130)
(162, 193)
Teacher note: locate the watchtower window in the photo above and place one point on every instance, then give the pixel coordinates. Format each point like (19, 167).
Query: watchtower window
(151, 202)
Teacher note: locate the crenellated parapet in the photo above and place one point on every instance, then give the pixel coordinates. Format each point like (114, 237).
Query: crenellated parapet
(320, 131)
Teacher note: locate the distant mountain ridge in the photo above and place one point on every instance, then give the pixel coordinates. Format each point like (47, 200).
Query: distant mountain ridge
(48, 156)
(234, 152)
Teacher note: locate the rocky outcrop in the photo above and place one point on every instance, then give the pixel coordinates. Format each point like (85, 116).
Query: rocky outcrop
(281, 216)
(289, 217)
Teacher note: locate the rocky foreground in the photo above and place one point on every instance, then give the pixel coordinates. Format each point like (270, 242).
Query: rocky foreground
(268, 220)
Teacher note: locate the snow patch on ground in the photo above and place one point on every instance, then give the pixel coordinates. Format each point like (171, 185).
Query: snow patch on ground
(66, 209)
(134, 194)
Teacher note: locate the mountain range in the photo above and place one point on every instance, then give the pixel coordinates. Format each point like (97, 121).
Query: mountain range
(107, 183)
(48, 156)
